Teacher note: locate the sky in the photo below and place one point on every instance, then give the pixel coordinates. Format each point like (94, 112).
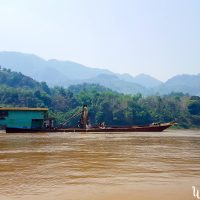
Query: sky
(156, 37)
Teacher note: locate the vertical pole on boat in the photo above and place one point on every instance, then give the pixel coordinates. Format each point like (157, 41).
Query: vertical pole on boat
(84, 117)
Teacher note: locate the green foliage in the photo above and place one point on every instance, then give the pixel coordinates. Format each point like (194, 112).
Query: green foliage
(194, 105)
(104, 105)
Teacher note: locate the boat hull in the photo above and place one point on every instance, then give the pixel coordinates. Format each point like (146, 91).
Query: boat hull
(150, 128)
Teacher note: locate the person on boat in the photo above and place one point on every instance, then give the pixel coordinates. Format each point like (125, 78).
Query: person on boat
(102, 125)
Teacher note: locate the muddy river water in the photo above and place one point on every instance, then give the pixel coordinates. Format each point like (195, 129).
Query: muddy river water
(75, 166)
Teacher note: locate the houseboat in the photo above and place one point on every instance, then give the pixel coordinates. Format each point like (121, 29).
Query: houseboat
(30, 120)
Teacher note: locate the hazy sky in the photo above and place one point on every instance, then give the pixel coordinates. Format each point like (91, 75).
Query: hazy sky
(156, 37)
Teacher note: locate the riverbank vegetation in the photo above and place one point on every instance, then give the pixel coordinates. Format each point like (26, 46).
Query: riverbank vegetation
(104, 105)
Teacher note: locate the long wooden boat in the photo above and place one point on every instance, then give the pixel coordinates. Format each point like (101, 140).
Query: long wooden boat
(147, 128)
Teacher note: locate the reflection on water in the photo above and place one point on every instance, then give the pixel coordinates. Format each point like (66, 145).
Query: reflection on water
(41, 164)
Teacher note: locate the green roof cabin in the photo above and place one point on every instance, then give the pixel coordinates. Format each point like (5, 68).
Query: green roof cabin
(24, 118)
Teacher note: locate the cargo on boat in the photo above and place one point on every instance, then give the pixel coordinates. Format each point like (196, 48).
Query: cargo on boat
(30, 120)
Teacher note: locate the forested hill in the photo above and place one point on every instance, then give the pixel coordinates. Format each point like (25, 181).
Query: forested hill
(104, 105)
(18, 80)
(67, 73)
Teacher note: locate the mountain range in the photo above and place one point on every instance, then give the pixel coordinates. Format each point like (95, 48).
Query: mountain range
(66, 73)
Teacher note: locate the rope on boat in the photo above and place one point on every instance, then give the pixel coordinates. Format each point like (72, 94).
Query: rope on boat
(68, 119)
(79, 112)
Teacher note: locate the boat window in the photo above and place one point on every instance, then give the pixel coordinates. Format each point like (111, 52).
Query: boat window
(3, 114)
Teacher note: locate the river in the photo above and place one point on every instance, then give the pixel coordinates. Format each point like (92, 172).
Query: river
(75, 166)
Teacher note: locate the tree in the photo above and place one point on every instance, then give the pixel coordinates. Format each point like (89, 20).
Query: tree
(194, 107)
